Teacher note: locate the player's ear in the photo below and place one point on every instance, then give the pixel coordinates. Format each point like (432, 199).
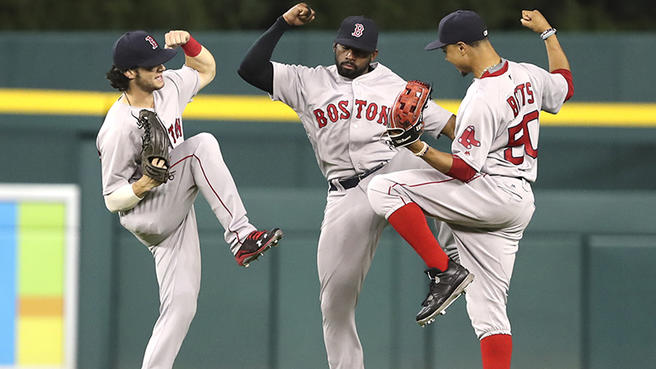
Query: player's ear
(462, 47)
(334, 47)
(130, 73)
(374, 55)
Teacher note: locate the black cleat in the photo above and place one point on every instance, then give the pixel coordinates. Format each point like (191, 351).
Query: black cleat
(256, 244)
(445, 287)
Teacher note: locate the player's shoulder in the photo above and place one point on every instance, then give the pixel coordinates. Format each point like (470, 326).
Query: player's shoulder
(180, 74)
(481, 96)
(300, 68)
(115, 112)
(482, 89)
(382, 75)
(528, 68)
(384, 71)
(120, 118)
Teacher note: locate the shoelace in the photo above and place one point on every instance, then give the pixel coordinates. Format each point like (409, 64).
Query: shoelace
(432, 287)
(255, 235)
(434, 282)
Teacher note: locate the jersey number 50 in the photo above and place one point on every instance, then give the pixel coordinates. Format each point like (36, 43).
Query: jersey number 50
(524, 139)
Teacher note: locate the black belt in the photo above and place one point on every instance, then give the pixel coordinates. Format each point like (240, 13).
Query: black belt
(350, 182)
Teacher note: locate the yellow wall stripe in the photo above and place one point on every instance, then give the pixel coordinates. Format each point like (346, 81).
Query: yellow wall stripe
(261, 108)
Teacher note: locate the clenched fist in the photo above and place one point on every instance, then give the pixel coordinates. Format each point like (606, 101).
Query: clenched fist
(299, 15)
(175, 38)
(534, 20)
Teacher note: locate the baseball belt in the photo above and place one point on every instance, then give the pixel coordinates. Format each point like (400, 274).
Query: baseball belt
(350, 182)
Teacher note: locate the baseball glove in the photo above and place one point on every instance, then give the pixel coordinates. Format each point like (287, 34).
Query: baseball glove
(154, 145)
(407, 122)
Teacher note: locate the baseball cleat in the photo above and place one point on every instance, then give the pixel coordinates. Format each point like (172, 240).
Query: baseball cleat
(444, 288)
(256, 243)
(443, 312)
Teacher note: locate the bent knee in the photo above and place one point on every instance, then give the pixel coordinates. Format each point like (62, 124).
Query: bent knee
(206, 144)
(378, 184)
(205, 138)
(382, 195)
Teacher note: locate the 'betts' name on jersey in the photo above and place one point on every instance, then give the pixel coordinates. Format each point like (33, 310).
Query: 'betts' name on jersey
(497, 125)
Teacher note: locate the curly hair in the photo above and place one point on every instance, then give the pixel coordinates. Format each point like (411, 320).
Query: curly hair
(117, 79)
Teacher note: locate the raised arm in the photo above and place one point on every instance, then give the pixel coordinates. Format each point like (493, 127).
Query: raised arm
(535, 21)
(196, 55)
(558, 64)
(256, 68)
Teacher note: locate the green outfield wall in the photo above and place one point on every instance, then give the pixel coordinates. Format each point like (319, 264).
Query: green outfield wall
(606, 66)
(582, 294)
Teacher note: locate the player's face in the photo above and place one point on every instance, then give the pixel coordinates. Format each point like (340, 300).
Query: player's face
(351, 62)
(150, 79)
(454, 54)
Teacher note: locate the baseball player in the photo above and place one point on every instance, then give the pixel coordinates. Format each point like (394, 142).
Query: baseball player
(482, 189)
(160, 212)
(344, 109)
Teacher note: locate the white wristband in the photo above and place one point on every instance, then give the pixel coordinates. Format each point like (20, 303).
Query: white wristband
(548, 33)
(423, 150)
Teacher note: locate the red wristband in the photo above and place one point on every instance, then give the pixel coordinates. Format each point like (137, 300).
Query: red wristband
(192, 47)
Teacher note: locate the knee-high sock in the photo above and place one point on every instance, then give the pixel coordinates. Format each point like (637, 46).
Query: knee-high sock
(410, 222)
(496, 351)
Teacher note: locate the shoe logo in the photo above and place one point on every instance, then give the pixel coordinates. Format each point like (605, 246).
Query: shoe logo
(259, 242)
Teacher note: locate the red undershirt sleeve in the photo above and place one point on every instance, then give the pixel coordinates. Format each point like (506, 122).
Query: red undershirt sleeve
(570, 82)
(461, 170)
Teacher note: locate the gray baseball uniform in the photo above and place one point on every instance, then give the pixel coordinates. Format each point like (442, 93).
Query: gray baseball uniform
(345, 120)
(497, 128)
(165, 219)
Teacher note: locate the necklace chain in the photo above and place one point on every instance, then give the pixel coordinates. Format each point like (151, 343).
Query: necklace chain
(130, 103)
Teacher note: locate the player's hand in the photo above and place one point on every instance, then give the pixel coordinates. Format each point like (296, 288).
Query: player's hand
(299, 15)
(175, 38)
(159, 162)
(152, 182)
(146, 183)
(534, 20)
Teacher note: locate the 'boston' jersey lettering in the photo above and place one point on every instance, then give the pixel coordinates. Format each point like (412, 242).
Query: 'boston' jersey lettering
(346, 119)
(340, 111)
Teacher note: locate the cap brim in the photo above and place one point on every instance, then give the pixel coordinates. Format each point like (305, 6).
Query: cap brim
(352, 43)
(161, 57)
(437, 44)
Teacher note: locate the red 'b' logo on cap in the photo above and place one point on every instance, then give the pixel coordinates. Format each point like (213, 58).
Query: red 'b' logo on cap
(152, 42)
(358, 30)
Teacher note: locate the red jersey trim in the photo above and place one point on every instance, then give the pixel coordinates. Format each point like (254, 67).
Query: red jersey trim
(461, 170)
(389, 189)
(570, 81)
(501, 71)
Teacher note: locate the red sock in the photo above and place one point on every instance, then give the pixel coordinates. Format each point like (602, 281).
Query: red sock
(496, 351)
(410, 222)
